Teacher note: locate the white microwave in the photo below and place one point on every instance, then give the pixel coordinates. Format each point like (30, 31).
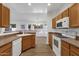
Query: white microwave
(63, 23)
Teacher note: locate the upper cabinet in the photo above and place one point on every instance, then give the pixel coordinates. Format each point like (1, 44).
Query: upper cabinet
(4, 16)
(65, 13)
(74, 16)
(59, 16)
(54, 23)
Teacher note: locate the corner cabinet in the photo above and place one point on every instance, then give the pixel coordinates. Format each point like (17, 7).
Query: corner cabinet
(28, 42)
(74, 16)
(4, 16)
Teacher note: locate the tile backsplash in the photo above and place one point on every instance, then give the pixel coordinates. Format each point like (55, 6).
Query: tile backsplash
(71, 32)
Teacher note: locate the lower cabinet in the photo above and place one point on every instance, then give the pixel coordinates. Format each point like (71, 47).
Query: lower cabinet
(28, 42)
(50, 35)
(33, 41)
(6, 50)
(69, 49)
(64, 48)
(74, 51)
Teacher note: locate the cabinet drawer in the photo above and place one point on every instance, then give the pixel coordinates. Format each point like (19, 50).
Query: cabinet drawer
(64, 44)
(5, 47)
(74, 49)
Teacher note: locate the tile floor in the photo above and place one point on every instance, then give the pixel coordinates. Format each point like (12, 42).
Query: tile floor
(41, 49)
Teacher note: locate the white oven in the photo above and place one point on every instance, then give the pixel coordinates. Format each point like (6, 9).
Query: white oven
(63, 23)
(57, 45)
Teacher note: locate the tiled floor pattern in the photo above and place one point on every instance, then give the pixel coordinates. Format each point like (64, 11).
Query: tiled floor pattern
(41, 49)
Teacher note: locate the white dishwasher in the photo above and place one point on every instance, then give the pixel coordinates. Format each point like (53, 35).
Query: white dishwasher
(16, 47)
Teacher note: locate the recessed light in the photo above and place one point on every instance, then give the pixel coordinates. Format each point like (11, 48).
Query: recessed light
(49, 4)
(29, 4)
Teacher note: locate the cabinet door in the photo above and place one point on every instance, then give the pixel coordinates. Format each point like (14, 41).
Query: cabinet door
(4, 16)
(65, 13)
(0, 14)
(74, 50)
(65, 51)
(64, 48)
(59, 17)
(7, 17)
(50, 40)
(26, 43)
(33, 41)
(54, 23)
(6, 50)
(73, 54)
(74, 15)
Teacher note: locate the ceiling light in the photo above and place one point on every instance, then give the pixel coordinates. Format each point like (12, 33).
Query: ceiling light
(29, 4)
(49, 4)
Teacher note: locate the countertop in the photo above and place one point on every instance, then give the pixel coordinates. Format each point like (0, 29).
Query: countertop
(4, 34)
(7, 38)
(21, 35)
(71, 41)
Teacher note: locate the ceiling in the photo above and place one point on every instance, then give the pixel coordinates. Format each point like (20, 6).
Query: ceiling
(25, 8)
(37, 12)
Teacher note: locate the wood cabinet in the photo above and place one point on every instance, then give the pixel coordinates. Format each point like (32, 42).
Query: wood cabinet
(50, 36)
(28, 42)
(33, 41)
(4, 16)
(59, 17)
(74, 16)
(6, 50)
(54, 23)
(74, 51)
(64, 48)
(65, 13)
(68, 49)
(55, 19)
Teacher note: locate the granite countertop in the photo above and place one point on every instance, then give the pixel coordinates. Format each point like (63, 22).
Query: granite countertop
(71, 41)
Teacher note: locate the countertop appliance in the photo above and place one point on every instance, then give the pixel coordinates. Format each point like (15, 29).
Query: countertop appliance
(63, 23)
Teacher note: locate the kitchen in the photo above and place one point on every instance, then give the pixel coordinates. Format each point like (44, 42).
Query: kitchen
(21, 28)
